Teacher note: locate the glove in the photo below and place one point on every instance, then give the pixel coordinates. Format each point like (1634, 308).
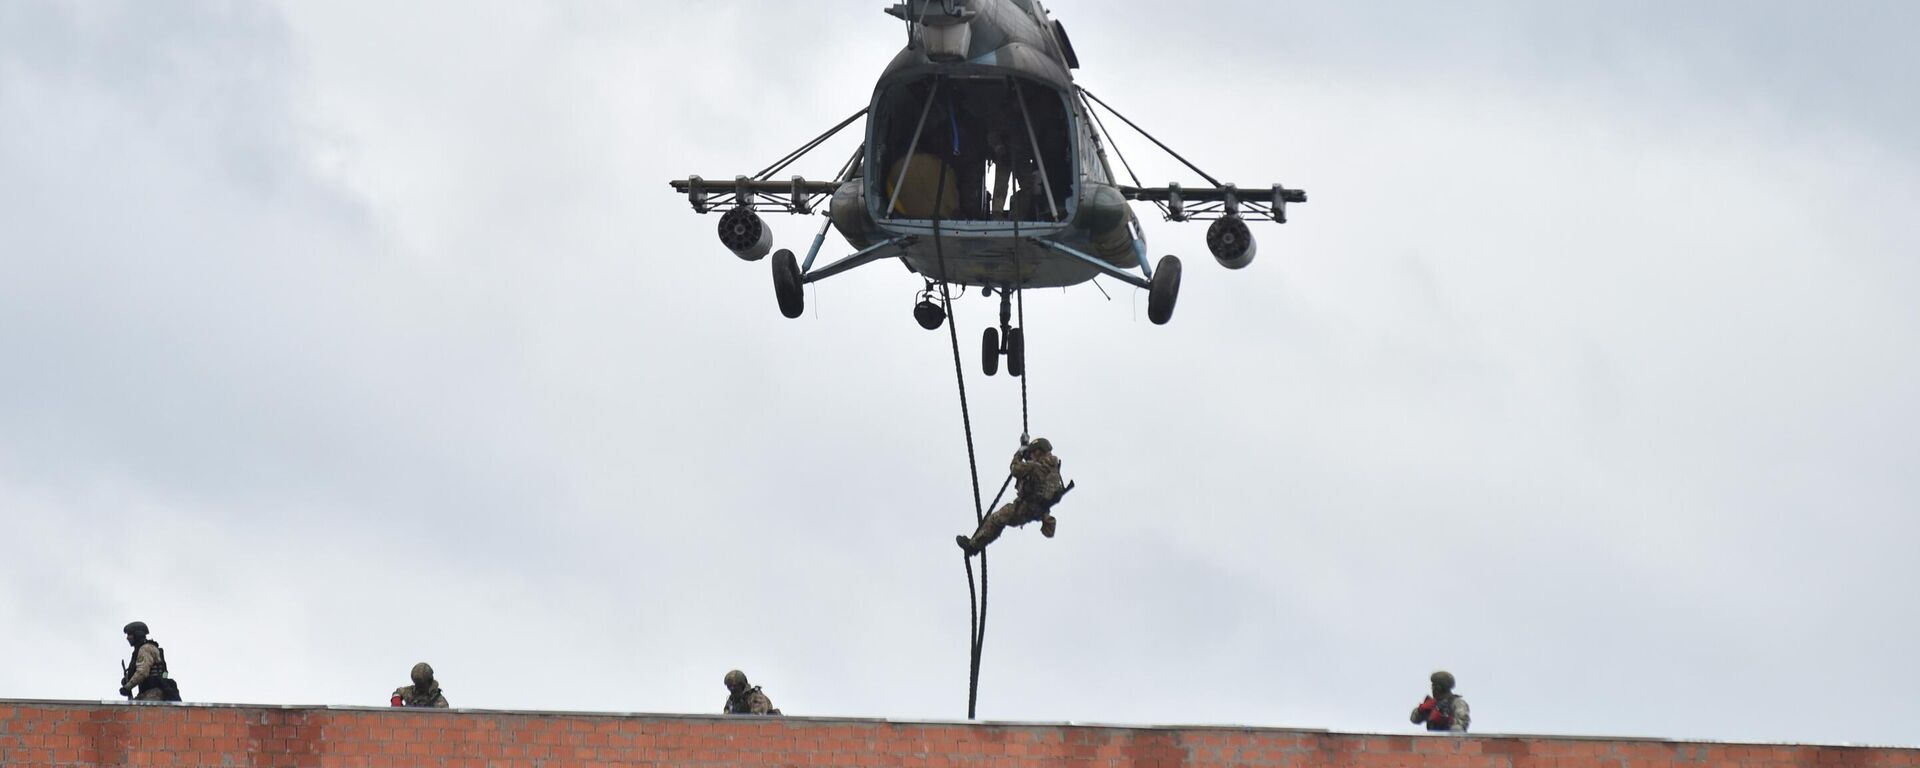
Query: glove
(126, 690)
(397, 702)
(1424, 712)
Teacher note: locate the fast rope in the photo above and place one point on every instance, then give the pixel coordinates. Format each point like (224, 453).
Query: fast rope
(1020, 302)
(976, 602)
(976, 598)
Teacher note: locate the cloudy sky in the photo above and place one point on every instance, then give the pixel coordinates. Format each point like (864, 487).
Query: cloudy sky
(339, 336)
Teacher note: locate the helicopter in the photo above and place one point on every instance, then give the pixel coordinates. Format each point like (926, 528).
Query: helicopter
(984, 165)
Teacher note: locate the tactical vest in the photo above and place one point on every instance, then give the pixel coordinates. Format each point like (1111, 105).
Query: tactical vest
(1045, 488)
(157, 676)
(423, 697)
(743, 704)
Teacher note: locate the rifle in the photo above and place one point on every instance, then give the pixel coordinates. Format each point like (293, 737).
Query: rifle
(1062, 494)
(123, 680)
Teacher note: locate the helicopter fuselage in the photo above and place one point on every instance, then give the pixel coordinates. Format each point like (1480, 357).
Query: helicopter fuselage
(987, 143)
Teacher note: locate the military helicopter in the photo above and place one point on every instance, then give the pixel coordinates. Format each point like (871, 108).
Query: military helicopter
(984, 165)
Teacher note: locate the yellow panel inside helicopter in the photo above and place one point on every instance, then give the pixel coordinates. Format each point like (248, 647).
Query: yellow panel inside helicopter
(922, 187)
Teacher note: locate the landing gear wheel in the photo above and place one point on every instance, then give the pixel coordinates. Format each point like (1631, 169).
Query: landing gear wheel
(1165, 290)
(1016, 352)
(990, 351)
(786, 284)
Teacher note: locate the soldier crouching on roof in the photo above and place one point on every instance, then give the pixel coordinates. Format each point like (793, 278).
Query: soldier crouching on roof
(744, 699)
(425, 691)
(147, 670)
(1036, 472)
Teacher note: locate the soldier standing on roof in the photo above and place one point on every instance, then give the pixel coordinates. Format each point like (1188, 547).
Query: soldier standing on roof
(743, 699)
(425, 691)
(1036, 471)
(147, 670)
(1444, 710)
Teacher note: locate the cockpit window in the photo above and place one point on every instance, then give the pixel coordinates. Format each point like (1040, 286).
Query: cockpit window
(979, 156)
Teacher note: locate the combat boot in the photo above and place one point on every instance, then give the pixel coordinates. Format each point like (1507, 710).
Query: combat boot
(1046, 526)
(966, 545)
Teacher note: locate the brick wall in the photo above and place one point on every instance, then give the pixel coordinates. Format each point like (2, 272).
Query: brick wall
(93, 734)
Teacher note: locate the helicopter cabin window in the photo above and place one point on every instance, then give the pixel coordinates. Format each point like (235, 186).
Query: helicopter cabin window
(977, 155)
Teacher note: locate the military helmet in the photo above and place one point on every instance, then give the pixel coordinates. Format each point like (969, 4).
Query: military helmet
(736, 680)
(422, 673)
(1443, 679)
(1041, 444)
(136, 628)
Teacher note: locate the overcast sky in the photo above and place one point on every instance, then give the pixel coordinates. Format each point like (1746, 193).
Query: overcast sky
(339, 336)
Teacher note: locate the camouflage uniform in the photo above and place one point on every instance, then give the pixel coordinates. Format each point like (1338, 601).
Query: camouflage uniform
(425, 691)
(750, 702)
(1455, 706)
(145, 672)
(1444, 710)
(430, 696)
(743, 699)
(1036, 473)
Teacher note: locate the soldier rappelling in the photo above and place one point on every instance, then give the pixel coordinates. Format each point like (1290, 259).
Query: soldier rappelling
(1036, 474)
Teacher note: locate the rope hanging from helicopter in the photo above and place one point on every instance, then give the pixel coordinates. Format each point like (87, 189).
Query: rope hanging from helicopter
(977, 596)
(976, 601)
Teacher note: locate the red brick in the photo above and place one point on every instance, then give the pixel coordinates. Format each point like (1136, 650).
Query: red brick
(65, 735)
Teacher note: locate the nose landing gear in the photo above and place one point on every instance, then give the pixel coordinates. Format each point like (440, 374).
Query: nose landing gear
(1006, 340)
